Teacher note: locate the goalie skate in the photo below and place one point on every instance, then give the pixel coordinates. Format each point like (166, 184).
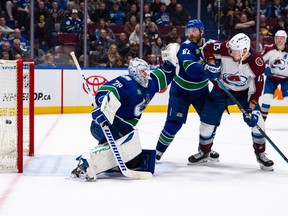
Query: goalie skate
(80, 174)
(202, 158)
(264, 162)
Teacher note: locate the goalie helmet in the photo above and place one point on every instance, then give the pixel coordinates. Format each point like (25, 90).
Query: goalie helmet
(140, 71)
(240, 42)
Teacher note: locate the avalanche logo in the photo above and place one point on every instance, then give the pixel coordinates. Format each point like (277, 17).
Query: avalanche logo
(278, 64)
(235, 79)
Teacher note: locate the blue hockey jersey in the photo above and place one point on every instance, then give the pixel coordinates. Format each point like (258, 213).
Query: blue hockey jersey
(190, 78)
(133, 97)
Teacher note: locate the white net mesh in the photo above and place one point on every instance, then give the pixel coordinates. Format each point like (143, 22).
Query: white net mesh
(9, 127)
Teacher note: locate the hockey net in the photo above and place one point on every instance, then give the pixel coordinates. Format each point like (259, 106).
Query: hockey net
(16, 113)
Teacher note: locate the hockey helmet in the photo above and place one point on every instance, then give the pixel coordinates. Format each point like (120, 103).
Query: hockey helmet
(195, 23)
(280, 43)
(238, 43)
(140, 71)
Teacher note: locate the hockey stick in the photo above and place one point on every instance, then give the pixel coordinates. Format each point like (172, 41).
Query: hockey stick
(245, 113)
(106, 130)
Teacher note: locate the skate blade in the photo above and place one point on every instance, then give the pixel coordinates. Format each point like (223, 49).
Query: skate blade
(270, 168)
(204, 161)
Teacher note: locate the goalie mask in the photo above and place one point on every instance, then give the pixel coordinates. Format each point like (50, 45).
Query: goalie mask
(237, 46)
(140, 71)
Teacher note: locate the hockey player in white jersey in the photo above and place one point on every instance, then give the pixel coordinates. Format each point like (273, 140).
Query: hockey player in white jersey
(241, 72)
(276, 59)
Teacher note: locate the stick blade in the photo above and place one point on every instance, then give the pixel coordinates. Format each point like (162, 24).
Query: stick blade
(137, 174)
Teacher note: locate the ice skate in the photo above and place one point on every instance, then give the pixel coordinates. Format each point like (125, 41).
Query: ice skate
(264, 162)
(202, 158)
(80, 174)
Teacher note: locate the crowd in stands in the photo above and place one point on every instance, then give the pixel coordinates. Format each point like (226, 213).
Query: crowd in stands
(59, 26)
(241, 16)
(113, 29)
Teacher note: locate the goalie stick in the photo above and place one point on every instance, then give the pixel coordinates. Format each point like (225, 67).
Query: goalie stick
(106, 130)
(245, 113)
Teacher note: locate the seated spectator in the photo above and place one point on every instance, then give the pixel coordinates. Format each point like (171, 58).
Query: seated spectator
(146, 22)
(278, 9)
(264, 27)
(62, 4)
(172, 35)
(134, 50)
(40, 16)
(81, 13)
(5, 56)
(79, 50)
(162, 17)
(133, 12)
(105, 40)
(153, 61)
(280, 25)
(124, 6)
(68, 11)
(118, 63)
(147, 46)
(112, 54)
(265, 9)
(153, 33)
(55, 7)
(73, 24)
(101, 13)
(99, 57)
(39, 55)
(123, 44)
(158, 46)
(11, 9)
(16, 47)
(129, 26)
(134, 36)
(6, 30)
(6, 47)
(105, 26)
(155, 6)
(147, 10)
(248, 9)
(52, 29)
(25, 44)
(117, 17)
(179, 17)
(245, 26)
(23, 11)
(171, 7)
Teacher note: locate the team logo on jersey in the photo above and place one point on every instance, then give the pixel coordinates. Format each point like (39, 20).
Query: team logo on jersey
(93, 84)
(259, 61)
(235, 79)
(278, 64)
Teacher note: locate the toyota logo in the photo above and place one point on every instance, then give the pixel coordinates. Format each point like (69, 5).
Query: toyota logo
(94, 83)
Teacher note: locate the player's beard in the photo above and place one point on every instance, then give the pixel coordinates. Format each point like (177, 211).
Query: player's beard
(195, 39)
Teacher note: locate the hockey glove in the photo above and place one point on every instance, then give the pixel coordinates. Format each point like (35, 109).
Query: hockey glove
(212, 72)
(252, 118)
(167, 66)
(268, 72)
(98, 116)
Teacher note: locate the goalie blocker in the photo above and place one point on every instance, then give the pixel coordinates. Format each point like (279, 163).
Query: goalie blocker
(101, 159)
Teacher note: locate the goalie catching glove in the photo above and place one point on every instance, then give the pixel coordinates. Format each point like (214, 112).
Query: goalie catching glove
(251, 117)
(212, 72)
(169, 55)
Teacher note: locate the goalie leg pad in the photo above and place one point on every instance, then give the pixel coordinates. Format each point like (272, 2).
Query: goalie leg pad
(101, 157)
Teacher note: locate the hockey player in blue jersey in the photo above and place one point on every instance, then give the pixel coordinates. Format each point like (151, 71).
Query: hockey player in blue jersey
(189, 87)
(134, 91)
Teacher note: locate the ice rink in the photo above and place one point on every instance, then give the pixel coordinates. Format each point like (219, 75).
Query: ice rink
(233, 187)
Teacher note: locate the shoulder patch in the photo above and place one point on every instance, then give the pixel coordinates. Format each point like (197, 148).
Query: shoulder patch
(259, 61)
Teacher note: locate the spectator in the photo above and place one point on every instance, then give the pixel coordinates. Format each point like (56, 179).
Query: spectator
(105, 40)
(147, 10)
(118, 63)
(153, 33)
(11, 9)
(101, 13)
(99, 57)
(5, 55)
(117, 17)
(112, 54)
(134, 50)
(172, 35)
(265, 9)
(6, 47)
(155, 6)
(248, 10)
(179, 17)
(25, 45)
(146, 22)
(23, 10)
(134, 36)
(245, 26)
(123, 44)
(171, 7)
(162, 17)
(39, 55)
(73, 24)
(67, 13)
(158, 46)
(91, 7)
(133, 12)
(277, 9)
(129, 26)
(109, 32)
(81, 13)
(124, 6)
(147, 47)
(55, 7)
(6, 30)
(62, 4)
(79, 50)
(153, 61)
(16, 47)
(280, 25)
(264, 27)
(2, 39)
(40, 16)
(52, 29)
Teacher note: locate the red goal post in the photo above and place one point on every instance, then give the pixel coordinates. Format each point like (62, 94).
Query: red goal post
(16, 113)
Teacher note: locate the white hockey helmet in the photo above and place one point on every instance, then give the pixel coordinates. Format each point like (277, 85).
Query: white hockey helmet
(240, 42)
(140, 71)
(280, 33)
